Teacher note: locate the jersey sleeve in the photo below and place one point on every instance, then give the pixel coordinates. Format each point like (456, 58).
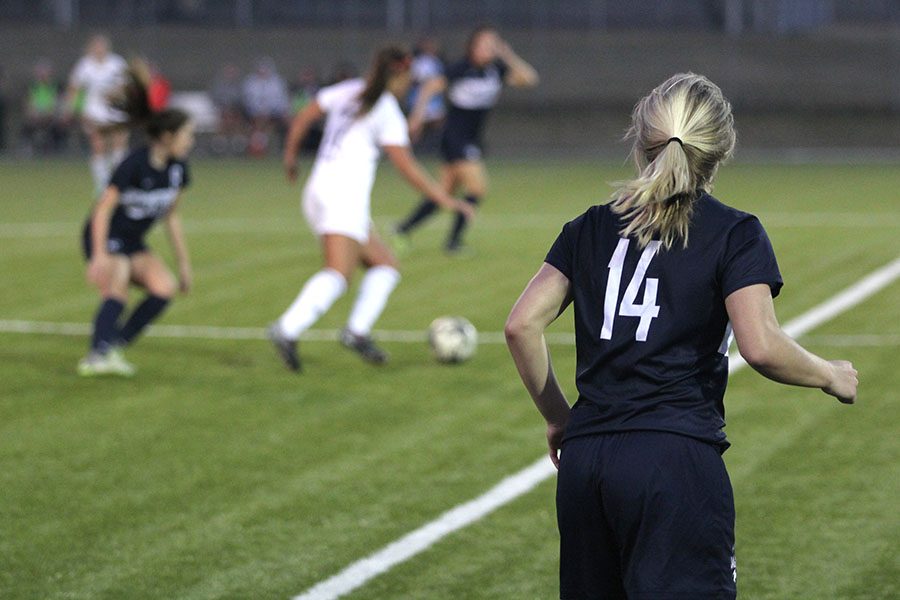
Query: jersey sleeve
(456, 70)
(502, 67)
(125, 175)
(329, 97)
(187, 176)
(562, 252)
(749, 259)
(392, 129)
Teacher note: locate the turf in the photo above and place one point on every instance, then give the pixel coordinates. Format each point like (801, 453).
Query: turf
(215, 473)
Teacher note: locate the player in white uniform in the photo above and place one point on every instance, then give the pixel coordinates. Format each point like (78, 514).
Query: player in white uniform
(101, 74)
(363, 118)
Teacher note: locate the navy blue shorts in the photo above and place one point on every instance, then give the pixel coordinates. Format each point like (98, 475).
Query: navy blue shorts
(456, 147)
(115, 244)
(644, 515)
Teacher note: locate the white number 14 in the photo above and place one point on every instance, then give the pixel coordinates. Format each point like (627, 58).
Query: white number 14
(647, 310)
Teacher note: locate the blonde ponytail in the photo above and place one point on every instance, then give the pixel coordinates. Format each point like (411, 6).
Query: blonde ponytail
(682, 130)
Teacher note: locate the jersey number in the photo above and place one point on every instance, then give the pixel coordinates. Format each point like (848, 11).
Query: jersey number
(647, 310)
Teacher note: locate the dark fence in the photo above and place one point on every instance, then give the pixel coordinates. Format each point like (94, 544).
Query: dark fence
(733, 16)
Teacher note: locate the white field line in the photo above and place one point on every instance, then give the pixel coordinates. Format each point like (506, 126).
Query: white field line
(360, 572)
(485, 221)
(210, 332)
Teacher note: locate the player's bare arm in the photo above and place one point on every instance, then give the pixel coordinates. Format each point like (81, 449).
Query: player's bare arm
(413, 172)
(773, 353)
(544, 299)
(304, 119)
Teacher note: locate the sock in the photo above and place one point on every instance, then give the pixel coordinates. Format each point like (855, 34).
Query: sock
(106, 329)
(376, 287)
(100, 172)
(316, 297)
(459, 225)
(146, 312)
(425, 209)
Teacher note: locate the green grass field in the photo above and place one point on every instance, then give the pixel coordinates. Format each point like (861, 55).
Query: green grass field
(215, 473)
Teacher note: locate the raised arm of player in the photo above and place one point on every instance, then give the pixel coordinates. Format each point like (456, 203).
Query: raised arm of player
(303, 120)
(545, 297)
(769, 350)
(179, 247)
(413, 172)
(430, 89)
(520, 74)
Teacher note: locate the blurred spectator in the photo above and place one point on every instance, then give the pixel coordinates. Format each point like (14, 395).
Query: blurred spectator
(303, 91)
(427, 64)
(227, 95)
(266, 103)
(159, 90)
(42, 129)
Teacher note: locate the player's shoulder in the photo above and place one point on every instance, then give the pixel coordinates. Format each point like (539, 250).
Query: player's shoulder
(347, 86)
(117, 61)
(592, 219)
(714, 212)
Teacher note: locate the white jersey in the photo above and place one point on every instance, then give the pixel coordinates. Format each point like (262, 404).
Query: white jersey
(337, 196)
(99, 79)
(351, 143)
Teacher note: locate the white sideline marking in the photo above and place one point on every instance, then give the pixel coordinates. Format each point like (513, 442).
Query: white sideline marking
(363, 570)
(497, 221)
(416, 541)
(211, 332)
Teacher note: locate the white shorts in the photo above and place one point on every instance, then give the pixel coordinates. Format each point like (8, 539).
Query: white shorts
(341, 208)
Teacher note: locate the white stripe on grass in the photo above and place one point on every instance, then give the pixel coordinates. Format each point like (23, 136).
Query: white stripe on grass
(363, 570)
(412, 336)
(212, 332)
(493, 222)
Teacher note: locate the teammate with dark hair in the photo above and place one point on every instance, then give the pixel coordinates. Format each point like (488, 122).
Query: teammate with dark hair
(144, 188)
(363, 118)
(472, 88)
(659, 277)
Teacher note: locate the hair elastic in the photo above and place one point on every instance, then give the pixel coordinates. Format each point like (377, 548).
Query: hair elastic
(675, 139)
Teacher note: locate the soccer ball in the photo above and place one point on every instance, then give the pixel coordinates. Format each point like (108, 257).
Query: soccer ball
(452, 339)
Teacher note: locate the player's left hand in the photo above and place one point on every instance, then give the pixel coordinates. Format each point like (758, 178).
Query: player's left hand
(185, 279)
(554, 441)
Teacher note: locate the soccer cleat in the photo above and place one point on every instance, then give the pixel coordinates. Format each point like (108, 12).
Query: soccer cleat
(286, 348)
(111, 363)
(365, 346)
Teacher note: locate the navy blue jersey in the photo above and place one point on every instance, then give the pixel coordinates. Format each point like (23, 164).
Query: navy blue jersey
(145, 193)
(471, 93)
(651, 327)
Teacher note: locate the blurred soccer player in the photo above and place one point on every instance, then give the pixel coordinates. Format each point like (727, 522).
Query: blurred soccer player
(144, 188)
(659, 278)
(99, 74)
(472, 88)
(363, 117)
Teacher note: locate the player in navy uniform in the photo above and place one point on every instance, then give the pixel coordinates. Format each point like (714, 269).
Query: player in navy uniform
(472, 88)
(659, 278)
(144, 188)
